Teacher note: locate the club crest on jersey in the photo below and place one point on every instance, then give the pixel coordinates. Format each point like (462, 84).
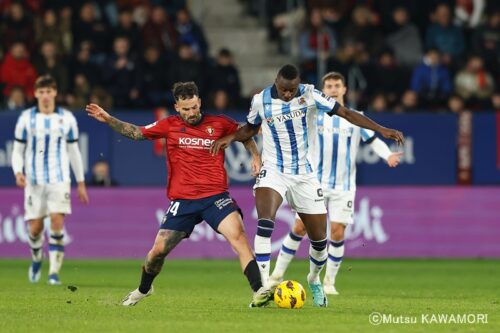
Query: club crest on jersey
(210, 130)
(302, 100)
(270, 121)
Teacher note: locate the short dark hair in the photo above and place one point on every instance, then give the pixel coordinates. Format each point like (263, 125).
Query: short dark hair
(288, 72)
(125, 9)
(225, 53)
(185, 90)
(455, 95)
(432, 49)
(332, 76)
(45, 81)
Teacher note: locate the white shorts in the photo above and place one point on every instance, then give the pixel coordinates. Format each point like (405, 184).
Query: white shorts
(42, 200)
(303, 192)
(340, 206)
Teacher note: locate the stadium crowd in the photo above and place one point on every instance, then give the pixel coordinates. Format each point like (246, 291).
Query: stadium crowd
(125, 54)
(397, 55)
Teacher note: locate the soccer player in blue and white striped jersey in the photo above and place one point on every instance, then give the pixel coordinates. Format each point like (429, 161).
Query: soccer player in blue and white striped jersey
(286, 113)
(334, 159)
(46, 143)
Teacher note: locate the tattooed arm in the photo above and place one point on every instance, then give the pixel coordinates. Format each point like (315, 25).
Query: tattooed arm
(126, 129)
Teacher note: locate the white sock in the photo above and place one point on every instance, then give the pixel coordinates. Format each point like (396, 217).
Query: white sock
(317, 259)
(56, 251)
(287, 252)
(335, 255)
(262, 245)
(36, 244)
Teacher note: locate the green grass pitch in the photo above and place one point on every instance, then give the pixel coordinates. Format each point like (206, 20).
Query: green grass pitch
(213, 295)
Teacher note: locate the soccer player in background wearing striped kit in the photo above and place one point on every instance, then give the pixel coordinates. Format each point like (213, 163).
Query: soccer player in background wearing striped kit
(286, 112)
(46, 143)
(334, 159)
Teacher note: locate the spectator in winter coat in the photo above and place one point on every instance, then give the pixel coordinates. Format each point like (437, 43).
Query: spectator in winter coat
(17, 70)
(444, 36)
(431, 80)
(405, 41)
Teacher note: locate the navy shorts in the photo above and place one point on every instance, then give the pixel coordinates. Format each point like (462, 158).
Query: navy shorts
(185, 214)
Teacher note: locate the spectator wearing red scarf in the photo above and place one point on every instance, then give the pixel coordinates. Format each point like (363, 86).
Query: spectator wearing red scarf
(474, 81)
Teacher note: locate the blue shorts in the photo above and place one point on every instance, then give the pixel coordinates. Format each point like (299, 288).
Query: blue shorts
(185, 214)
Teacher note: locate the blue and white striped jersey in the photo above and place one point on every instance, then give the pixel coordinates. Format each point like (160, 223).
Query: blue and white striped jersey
(289, 128)
(46, 136)
(334, 151)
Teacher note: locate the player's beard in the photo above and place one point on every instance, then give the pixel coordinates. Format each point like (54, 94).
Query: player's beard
(194, 120)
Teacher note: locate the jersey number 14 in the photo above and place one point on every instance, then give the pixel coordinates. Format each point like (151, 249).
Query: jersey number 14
(172, 209)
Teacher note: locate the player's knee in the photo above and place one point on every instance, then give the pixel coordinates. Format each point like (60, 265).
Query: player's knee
(56, 221)
(158, 250)
(238, 238)
(35, 227)
(233, 231)
(337, 232)
(35, 232)
(299, 229)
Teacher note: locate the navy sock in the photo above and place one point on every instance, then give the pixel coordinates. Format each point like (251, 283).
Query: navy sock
(253, 275)
(146, 281)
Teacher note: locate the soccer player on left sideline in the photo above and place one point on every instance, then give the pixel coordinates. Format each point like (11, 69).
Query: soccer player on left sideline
(46, 144)
(197, 185)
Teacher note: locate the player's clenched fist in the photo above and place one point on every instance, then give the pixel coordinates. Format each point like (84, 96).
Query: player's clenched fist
(20, 180)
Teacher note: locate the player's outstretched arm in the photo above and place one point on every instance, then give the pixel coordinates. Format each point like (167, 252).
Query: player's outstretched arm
(360, 120)
(126, 129)
(243, 134)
